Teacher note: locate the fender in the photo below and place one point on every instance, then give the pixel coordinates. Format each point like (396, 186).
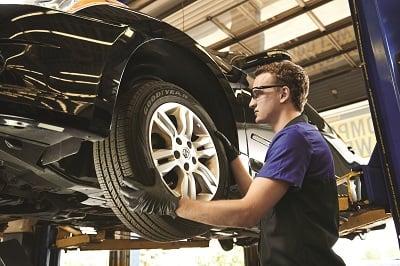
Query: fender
(166, 60)
(78, 65)
(163, 37)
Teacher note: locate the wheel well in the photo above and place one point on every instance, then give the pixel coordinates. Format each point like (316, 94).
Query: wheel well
(165, 60)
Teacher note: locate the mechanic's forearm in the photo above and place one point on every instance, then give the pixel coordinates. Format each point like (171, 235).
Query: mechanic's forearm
(241, 175)
(222, 213)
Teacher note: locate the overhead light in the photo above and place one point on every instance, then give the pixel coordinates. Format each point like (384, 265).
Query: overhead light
(334, 93)
(16, 1)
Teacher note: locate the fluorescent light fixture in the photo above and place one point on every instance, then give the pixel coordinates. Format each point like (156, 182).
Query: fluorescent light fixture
(288, 30)
(332, 11)
(276, 8)
(17, 1)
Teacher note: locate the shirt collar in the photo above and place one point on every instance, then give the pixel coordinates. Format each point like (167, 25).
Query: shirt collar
(299, 119)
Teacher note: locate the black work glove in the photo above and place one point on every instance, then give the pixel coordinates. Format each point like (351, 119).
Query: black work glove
(231, 151)
(150, 200)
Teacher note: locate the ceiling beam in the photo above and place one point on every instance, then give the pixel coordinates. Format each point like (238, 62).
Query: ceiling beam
(311, 36)
(139, 4)
(176, 8)
(324, 76)
(330, 37)
(339, 48)
(278, 19)
(228, 32)
(208, 18)
(346, 48)
(331, 28)
(248, 15)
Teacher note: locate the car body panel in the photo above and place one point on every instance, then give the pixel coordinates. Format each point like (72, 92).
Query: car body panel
(66, 61)
(60, 76)
(80, 61)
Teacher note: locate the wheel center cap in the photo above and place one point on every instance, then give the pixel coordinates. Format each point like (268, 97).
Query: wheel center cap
(186, 153)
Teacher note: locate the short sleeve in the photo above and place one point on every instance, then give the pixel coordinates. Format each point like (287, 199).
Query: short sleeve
(288, 158)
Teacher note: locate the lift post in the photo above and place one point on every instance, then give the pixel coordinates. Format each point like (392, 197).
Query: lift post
(376, 26)
(31, 240)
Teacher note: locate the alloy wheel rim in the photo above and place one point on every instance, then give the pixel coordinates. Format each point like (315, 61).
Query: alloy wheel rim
(183, 152)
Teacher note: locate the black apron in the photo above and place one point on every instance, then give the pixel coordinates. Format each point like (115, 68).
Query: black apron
(303, 226)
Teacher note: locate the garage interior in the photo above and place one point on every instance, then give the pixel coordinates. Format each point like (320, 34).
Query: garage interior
(318, 34)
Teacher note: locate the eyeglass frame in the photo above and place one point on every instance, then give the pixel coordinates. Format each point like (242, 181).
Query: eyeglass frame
(259, 88)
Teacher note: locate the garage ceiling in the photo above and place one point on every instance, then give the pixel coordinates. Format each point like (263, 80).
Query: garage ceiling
(318, 33)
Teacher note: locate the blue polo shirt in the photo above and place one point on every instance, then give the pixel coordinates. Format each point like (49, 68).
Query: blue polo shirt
(298, 150)
(303, 225)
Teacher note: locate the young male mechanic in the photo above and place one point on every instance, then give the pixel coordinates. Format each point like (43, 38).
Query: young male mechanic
(294, 194)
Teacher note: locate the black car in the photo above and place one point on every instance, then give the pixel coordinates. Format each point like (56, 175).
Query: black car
(98, 92)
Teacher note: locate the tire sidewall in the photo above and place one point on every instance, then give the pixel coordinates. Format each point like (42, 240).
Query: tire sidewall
(162, 93)
(131, 124)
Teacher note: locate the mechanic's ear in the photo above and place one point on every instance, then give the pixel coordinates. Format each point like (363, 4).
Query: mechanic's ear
(285, 94)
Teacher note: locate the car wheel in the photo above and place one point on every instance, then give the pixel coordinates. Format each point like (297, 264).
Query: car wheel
(158, 125)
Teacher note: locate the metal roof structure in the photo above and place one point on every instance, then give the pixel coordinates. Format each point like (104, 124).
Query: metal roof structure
(318, 33)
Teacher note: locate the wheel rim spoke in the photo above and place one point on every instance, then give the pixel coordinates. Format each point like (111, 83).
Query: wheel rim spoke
(165, 124)
(189, 124)
(208, 179)
(207, 153)
(188, 186)
(202, 141)
(185, 122)
(167, 166)
(162, 154)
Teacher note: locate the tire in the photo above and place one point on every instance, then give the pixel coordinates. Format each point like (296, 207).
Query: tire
(131, 151)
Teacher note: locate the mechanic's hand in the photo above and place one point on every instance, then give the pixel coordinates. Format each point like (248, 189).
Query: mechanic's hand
(231, 151)
(149, 200)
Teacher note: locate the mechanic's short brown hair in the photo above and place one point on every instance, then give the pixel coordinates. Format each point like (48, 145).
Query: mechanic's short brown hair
(293, 76)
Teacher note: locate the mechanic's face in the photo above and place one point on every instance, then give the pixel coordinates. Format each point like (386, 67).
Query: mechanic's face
(266, 96)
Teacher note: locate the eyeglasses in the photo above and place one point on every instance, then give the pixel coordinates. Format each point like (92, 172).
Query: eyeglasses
(257, 91)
